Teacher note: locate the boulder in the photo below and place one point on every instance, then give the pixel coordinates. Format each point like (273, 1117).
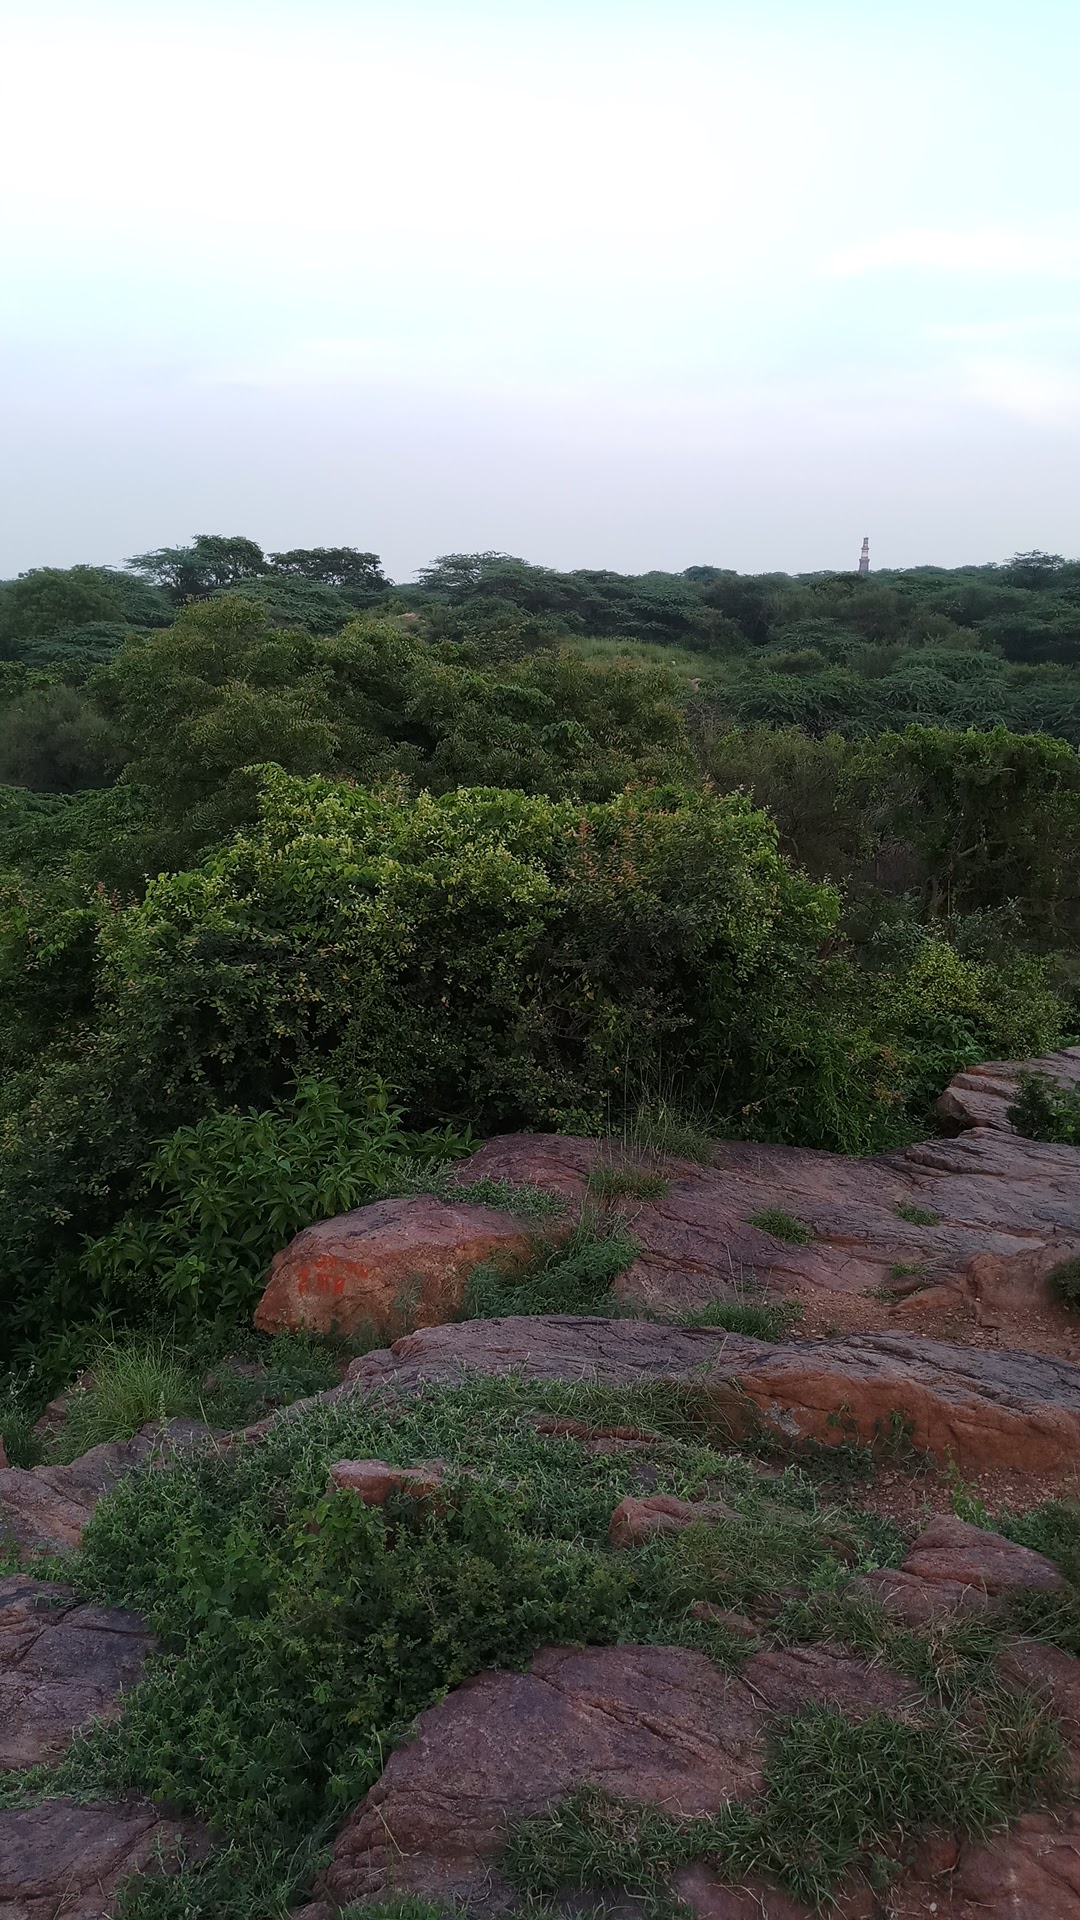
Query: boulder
(951, 1551)
(981, 1096)
(63, 1861)
(637, 1521)
(62, 1665)
(385, 1267)
(375, 1480)
(46, 1509)
(955, 1568)
(655, 1724)
(986, 1193)
(976, 1407)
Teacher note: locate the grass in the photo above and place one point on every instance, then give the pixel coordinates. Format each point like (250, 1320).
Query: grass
(659, 1127)
(782, 1226)
(906, 1269)
(838, 1796)
(758, 1320)
(916, 1216)
(634, 1183)
(17, 1415)
(572, 1276)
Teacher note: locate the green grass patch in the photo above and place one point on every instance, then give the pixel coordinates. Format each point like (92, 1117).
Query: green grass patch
(916, 1216)
(838, 1797)
(782, 1226)
(758, 1320)
(572, 1276)
(663, 1129)
(633, 1183)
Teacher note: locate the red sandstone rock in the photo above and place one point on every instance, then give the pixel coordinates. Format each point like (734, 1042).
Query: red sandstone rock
(951, 1550)
(981, 1096)
(376, 1480)
(739, 1624)
(654, 1724)
(648, 1723)
(62, 1861)
(637, 1521)
(45, 1508)
(979, 1408)
(62, 1665)
(384, 1267)
(993, 1194)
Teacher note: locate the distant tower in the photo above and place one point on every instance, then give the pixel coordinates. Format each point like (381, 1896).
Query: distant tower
(864, 557)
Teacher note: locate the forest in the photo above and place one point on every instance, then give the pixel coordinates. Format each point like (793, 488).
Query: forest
(293, 853)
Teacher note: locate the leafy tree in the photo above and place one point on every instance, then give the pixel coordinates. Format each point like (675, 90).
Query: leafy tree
(48, 599)
(212, 561)
(334, 567)
(54, 741)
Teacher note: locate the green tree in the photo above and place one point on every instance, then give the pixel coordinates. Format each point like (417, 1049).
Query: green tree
(345, 567)
(212, 561)
(48, 599)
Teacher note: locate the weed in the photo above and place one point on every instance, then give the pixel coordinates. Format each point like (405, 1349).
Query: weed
(572, 1277)
(782, 1226)
(757, 1319)
(130, 1382)
(1064, 1283)
(837, 1796)
(612, 1183)
(528, 1201)
(906, 1269)
(916, 1216)
(20, 1442)
(658, 1127)
(1043, 1110)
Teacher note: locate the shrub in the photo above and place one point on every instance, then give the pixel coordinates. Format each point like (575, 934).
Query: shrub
(232, 1189)
(1064, 1283)
(1043, 1110)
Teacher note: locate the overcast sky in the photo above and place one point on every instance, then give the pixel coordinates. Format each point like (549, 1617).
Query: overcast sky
(602, 283)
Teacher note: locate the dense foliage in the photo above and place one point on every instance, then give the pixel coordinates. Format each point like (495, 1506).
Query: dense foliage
(526, 848)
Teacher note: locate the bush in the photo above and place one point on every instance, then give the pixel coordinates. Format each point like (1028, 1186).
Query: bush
(1043, 1110)
(1064, 1283)
(228, 1192)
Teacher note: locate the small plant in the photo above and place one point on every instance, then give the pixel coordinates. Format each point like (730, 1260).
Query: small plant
(634, 1183)
(21, 1443)
(916, 1216)
(663, 1130)
(757, 1320)
(129, 1383)
(1064, 1283)
(906, 1270)
(572, 1277)
(782, 1226)
(1043, 1110)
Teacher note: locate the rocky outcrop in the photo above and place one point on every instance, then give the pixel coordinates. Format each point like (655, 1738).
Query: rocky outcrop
(955, 1568)
(979, 1408)
(62, 1665)
(981, 1096)
(930, 1209)
(374, 1481)
(656, 1724)
(384, 1267)
(62, 1861)
(46, 1509)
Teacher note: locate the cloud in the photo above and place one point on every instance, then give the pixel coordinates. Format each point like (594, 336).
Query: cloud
(988, 250)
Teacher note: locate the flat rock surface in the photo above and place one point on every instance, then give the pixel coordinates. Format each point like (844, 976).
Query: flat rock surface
(62, 1664)
(982, 1095)
(47, 1508)
(382, 1267)
(980, 1408)
(1014, 1203)
(62, 1861)
(657, 1724)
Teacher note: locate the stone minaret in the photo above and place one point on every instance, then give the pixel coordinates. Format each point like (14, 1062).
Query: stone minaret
(864, 557)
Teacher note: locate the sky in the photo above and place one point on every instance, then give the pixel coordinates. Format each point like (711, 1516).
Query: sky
(608, 283)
